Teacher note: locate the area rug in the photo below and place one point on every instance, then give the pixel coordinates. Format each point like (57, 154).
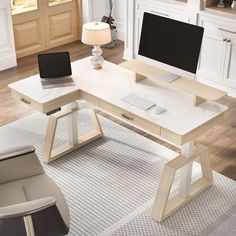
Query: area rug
(110, 184)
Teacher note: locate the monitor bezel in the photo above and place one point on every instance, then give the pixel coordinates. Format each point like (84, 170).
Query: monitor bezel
(43, 76)
(164, 66)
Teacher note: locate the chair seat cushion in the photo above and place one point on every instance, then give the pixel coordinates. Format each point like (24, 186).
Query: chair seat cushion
(33, 188)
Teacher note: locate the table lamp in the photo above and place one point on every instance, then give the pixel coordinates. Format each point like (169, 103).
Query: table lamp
(96, 34)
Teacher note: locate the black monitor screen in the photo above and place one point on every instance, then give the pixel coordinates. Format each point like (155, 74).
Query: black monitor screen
(171, 42)
(53, 65)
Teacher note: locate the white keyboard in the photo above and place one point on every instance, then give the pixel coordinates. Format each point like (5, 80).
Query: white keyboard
(138, 101)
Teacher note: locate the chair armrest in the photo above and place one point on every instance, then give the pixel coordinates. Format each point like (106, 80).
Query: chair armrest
(26, 208)
(15, 152)
(19, 163)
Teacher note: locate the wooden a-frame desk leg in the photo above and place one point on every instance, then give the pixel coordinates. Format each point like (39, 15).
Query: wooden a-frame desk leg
(74, 142)
(163, 206)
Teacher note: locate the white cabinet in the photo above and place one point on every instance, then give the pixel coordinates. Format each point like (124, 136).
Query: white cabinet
(7, 46)
(217, 61)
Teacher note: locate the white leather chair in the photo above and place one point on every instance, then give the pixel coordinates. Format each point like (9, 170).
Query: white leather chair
(30, 202)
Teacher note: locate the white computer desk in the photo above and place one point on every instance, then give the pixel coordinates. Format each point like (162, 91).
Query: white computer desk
(179, 125)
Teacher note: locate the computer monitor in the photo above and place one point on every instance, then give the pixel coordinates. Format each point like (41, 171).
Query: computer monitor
(54, 65)
(172, 43)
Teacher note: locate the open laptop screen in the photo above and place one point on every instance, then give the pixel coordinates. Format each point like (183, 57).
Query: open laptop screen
(54, 65)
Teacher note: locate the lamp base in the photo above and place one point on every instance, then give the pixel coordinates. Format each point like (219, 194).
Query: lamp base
(221, 4)
(97, 59)
(96, 66)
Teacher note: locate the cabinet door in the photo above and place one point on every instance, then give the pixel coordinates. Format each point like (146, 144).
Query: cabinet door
(230, 62)
(212, 57)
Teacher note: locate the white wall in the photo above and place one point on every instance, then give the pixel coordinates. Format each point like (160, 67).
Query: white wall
(96, 9)
(99, 9)
(7, 46)
(119, 15)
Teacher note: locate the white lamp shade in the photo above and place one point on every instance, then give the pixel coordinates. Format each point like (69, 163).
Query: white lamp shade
(96, 33)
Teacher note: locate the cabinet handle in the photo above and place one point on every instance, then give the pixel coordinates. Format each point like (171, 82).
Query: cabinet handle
(159, 13)
(25, 101)
(228, 31)
(127, 117)
(224, 40)
(228, 40)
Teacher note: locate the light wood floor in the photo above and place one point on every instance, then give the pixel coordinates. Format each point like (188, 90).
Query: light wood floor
(221, 139)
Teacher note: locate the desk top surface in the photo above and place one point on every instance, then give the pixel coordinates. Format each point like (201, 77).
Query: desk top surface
(114, 82)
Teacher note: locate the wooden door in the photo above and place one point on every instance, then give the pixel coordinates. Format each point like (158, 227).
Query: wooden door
(61, 22)
(28, 29)
(45, 24)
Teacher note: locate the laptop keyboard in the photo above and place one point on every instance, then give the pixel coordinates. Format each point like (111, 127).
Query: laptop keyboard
(60, 82)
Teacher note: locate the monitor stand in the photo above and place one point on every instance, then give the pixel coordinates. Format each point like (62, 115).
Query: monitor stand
(168, 77)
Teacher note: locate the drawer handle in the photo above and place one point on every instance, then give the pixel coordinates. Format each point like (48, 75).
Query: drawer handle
(127, 117)
(25, 101)
(159, 13)
(224, 40)
(225, 30)
(228, 40)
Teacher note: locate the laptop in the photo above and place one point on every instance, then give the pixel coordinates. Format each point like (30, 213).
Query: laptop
(55, 70)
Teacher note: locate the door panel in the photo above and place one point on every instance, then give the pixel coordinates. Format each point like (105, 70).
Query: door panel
(27, 35)
(62, 24)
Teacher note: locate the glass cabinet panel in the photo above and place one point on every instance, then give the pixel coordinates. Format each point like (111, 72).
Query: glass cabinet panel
(55, 2)
(20, 6)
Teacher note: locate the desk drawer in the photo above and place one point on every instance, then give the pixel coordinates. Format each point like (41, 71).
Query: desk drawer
(89, 98)
(222, 27)
(171, 11)
(130, 118)
(27, 101)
